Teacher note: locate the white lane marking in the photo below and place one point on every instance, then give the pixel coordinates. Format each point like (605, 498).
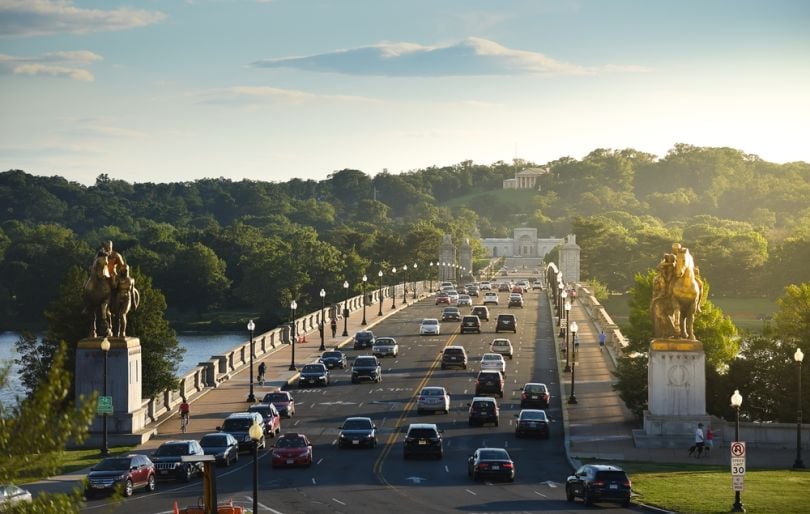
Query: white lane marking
(360, 404)
(319, 461)
(313, 405)
(313, 481)
(540, 494)
(471, 492)
(338, 501)
(334, 442)
(446, 468)
(465, 391)
(296, 422)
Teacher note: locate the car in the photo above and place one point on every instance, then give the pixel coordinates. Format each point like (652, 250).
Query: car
(599, 482)
(429, 326)
(451, 314)
(366, 367)
(474, 290)
(537, 285)
(432, 399)
(357, 431)
(453, 294)
(532, 422)
(502, 346)
(534, 394)
(454, 356)
(11, 494)
(448, 285)
(481, 311)
(334, 359)
(224, 447)
(490, 298)
(470, 323)
(494, 361)
(506, 322)
(516, 289)
(483, 409)
(283, 400)
(492, 463)
(464, 299)
(515, 300)
(271, 417)
(315, 374)
(504, 287)
(292, 450)
(126, 473)
(238, 425)
(363, 339)
(524, 284)
(168, 462)
(485, 286)
(442, 298)
(423, 439)
(489, 382)
(385, 346)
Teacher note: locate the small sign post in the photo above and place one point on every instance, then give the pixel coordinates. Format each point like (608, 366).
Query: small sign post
(105, 405)
(737, 466)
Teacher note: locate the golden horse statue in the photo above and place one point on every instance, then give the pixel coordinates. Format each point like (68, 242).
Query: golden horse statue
(686, 290)
(96, 294)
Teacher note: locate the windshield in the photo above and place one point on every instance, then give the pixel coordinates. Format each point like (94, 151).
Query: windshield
(356, 424)
(331, 355)
(312, 368)
(365, 361)
(534, 416)
(422, 433)
(276, 397)
(170, 450)
(385, 342)
(291, 442)
(113, 464)
(491, 357)
(432, 392)
(430, 322)
(214, 440)
(536, 389)
(493, 455)
(237, 425)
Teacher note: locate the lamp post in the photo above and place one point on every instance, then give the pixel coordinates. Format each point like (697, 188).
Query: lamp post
(250, 326)
(365, 279)
(405, 285)
(563, 295)
(346, 309)
(414, 280)
(430, 276)
(380, 274)
(799, 357)
(394, 290)
(323, 321)
(255, 432)
(736, 402)
(567, 332)
(105, 448)
(293, 308)
(572, 398)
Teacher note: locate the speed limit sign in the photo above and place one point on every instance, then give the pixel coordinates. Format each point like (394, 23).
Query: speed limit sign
(737, 466)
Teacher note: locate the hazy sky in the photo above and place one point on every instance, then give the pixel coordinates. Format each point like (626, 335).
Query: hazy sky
(175, 90)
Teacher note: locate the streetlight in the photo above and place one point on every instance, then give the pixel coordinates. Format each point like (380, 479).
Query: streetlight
(105, 448)
(736, 402)
(346, 309)
(405, 285)
(365, 279)
(572, 399)
(394, 290)
(293, 308)
(323, 324)
(567, 331)
(414, 280)
(430, 276)
(250, 326)
(799, 357)
(255, 433)
(380, 274)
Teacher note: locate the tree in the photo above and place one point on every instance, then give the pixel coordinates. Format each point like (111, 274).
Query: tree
(793, 317)
(197, 280)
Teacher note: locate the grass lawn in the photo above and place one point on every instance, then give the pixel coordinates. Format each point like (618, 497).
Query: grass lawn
(74, 460)
(701, 489)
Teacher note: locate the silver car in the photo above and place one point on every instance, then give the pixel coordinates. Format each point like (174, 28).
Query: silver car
(493, 361)
(464, 299)
(429, 326)
(432, 399)
(384, 346)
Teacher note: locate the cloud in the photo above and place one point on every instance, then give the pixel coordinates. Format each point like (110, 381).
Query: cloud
(100, 127)
(255, 96)
(57, 64)
(470, 57)
(43, 17)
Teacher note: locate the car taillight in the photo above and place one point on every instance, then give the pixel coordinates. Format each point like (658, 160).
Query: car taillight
(421, 398)
(483, 465)
(508, 465)
(628, 483)
(598, 483)
(523, 396)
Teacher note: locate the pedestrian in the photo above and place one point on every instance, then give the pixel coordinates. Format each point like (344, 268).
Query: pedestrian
(709, 441)
(699, 442)
(262, 369)
(334, 327)
(602, 338)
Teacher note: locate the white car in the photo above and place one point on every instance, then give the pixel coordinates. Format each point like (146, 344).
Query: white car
(464, 299)
(491, 298)
(11, 494)
(502, 346)
(385, 346)
(486, 286)
(432, 399)
(453, 294)
(493, 361)
(429, 326)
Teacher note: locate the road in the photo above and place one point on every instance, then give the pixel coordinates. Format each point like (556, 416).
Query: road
(379, 479)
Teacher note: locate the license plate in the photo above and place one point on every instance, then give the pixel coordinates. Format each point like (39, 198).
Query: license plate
(496, 467)
(98, 486)
(289, 461)
(534, 397)
(422, 443)
(532, 424)
(355, 441)
(489, 383)
(614, 486)
(164, 471)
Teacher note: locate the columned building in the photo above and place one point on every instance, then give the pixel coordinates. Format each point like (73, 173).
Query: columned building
(447, 258)
(569, 259)
(523, 243)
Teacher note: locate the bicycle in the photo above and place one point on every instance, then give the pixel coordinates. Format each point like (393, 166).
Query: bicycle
(183, 422)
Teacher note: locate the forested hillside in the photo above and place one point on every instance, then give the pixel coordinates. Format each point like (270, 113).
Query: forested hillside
(255, 245)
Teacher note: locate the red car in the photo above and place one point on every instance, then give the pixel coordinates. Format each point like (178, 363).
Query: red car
(292, 450)
(283, 401)
(442, 298)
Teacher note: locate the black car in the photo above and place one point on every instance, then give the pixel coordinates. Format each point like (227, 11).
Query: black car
(129, 473)
(366, 367)
(471, 324)
(358, 432)
(363, 339)
(238, 425)
(451, 314)
(506, 322)
(515, 301)
(483, 410)
(482, 311)
(223, 447)
(423, 439)
(334, 359)
(532, 422)
(453, 356)
(489, 381)
(598, 482)
(534, 394)
(313, 374)
(168, 462)
(491, 463)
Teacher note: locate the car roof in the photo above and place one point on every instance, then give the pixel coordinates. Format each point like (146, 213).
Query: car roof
(430, 319)
(501, 340)
(423, 425)
(364, 418)
(292, 435)
(454, 347)
(241, 415)
(484, 399)
(492, 355)
(604, 467)
(434, 387)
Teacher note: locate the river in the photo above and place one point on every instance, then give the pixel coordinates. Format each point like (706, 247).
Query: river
(199, 347)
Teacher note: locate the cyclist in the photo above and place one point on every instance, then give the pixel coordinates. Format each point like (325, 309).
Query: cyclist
(184, 414)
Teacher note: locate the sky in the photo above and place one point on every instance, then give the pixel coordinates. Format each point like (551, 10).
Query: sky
(270, 90)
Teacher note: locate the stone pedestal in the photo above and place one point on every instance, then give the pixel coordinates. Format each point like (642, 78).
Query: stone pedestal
(124, 378)
(676, 397)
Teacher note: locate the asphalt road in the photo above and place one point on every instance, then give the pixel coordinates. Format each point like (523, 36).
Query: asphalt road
(380, 480)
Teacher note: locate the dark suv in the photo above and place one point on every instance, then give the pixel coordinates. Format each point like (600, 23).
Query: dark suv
(129, 473)
(598, 482)
(489, 382)
(481, 311)
(168, 462)
(423, 439)
(506, 322)
(363, 339)
(483, 410)
(366, 367)
(471, 324)
(313, 374)
(454, 356)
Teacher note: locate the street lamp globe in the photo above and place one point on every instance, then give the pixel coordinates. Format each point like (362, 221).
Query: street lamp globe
(323, 293)
(345, 284)
(255, 432)
(293, 305)
(574, 328)
(798, 356)
(380, 273)
(736, 399)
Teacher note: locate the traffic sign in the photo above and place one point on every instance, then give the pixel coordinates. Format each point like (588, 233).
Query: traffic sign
(737, 483)
(105, 405)
(738, 449)
(738, 466)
